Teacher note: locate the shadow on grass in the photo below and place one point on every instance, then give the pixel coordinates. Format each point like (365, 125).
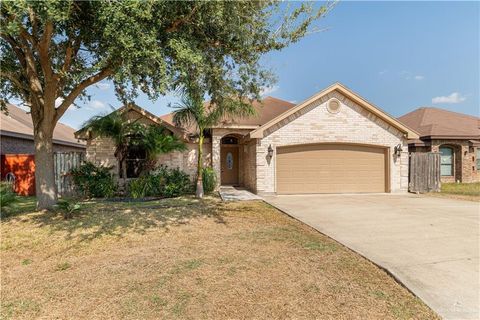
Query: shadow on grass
(106, 218)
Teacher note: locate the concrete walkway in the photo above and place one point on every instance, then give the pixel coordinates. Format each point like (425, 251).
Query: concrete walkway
(429, 244)
(229, 193)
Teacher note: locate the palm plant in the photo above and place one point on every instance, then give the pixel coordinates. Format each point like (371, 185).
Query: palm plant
(191, 111)
(154, 140)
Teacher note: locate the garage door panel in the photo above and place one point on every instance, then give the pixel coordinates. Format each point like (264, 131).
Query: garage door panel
(330, 168)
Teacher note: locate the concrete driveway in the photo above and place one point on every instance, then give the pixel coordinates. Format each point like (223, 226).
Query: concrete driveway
(430, 244)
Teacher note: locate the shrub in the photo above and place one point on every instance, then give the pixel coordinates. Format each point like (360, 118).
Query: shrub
(94, 181)
(209, 180)
(146, 186)
(8, 198)
(161, 182)
(68, 208)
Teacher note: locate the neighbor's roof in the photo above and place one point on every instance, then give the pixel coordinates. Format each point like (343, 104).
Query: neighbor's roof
(439, 123)
(411, 134)
(266, 110)
(19, 124)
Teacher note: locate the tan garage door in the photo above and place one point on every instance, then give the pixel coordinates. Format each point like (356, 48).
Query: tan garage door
(330, 168)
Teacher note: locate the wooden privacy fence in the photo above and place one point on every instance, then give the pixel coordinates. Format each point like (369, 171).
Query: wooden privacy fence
(64, 162)
(424, 172)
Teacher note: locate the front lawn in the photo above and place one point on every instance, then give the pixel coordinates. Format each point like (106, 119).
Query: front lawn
(189, 259)
(463, 191)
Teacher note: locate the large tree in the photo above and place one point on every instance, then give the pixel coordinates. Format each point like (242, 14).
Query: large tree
(52, 50)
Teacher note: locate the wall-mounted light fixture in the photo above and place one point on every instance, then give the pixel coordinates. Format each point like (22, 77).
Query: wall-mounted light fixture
(270, 151)
(398, 150)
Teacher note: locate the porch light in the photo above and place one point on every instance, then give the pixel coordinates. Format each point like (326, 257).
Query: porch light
(270, 151)
(398, 150)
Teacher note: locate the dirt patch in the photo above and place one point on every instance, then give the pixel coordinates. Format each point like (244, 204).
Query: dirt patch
(189, 259)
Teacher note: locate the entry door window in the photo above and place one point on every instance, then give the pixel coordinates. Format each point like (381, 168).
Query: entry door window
(229, 159)
(446, 160)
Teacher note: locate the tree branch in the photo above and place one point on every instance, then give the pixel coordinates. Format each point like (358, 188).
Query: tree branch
(79, 88)
(177, 23)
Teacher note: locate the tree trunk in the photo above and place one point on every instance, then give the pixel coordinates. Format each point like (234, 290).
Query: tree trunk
(44, 166)
(199, 189)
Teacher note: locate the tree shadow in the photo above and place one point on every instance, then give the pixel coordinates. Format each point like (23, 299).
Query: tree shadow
(105, 218)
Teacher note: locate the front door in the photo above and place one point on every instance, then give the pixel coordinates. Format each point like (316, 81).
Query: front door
(229, 167)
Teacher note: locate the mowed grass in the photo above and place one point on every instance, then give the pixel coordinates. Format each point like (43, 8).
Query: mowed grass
(188, 259)
(466, 189)
(462, 191)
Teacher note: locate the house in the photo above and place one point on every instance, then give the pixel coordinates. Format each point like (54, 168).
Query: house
(456, 136)
(16, 134)
(333, 142)
(17, 147)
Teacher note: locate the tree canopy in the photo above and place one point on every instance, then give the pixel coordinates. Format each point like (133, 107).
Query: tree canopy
(52, 50)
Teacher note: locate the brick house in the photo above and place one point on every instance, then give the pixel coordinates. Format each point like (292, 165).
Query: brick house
(456, 136)
(16, 134)
(333, 142)
(17, 147)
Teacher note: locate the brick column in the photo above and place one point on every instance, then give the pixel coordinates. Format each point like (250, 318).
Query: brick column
(216, 156)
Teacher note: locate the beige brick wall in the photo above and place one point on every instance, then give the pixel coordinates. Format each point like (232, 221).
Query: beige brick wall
(101, 152)
(314, 124)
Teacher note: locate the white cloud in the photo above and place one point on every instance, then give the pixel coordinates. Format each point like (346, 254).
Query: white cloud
(419, 77)
(103, 86)
(58, 102)
(96, 104)
(455, 97)
(381, 73)
(268, 90)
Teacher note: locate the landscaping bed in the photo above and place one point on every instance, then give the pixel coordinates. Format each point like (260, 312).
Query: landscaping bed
(189, 259)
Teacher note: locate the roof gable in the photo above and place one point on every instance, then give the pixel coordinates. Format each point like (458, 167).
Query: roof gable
(411, 134)
(150, 117)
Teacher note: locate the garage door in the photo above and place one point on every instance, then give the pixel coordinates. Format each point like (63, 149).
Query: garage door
(330, 168)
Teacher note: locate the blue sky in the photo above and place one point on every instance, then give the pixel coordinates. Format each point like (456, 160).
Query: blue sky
(397, 55)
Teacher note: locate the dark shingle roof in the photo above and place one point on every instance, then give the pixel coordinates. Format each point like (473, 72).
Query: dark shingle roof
(19, 124)
(435, 122)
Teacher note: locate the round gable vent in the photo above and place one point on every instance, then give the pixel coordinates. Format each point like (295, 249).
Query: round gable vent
(333, 106)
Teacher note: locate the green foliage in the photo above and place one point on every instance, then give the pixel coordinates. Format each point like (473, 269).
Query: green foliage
(8, 198)
(155, 140)
(149, 185)
(68, 207)
(209, 179)
(162, 182)
(148, 46)
(94, 181)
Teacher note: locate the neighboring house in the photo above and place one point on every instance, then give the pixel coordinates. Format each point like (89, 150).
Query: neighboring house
(456, 136)
(17, 147)
(333, 142)
(16, 134)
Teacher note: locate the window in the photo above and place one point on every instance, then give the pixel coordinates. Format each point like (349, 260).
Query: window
(446, 161)
(229, 140)
(478, 159)
(135, 160)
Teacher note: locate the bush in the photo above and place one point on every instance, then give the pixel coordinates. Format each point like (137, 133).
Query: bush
(161, 182)
(209, 180)
(146, 186)
(94, 181)
(68, 208)
(7, 197)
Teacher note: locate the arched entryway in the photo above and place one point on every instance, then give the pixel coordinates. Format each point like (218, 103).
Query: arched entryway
(229, 160)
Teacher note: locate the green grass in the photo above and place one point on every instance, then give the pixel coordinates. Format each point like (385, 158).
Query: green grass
(466, 189)
(23, 204)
